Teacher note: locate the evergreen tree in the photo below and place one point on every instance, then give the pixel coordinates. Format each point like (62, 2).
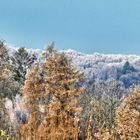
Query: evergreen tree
(21, 61)
(127, 68)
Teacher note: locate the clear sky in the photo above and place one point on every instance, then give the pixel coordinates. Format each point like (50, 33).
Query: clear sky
(105, 26)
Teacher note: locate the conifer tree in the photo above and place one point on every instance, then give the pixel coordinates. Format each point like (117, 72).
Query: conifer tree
(21, 61)
(33, 91)
(128, 117)
(62, 112)
(127, 68)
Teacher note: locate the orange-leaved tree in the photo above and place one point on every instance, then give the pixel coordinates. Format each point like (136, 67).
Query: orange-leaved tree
(128, 117)
(33, 92)
(63, 87)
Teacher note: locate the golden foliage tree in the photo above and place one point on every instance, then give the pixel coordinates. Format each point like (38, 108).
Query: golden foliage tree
(55, 87)
(33, 91)
(62, 87)
(128, 117)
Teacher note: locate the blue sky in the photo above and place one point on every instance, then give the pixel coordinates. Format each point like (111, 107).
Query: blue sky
(105, 26)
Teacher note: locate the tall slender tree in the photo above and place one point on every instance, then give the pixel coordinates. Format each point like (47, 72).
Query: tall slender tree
(62, 112)
(33, 92)
(8, 86)
(4, 57)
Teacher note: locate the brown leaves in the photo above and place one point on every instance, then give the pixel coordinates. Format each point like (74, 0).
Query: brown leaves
(128, 117)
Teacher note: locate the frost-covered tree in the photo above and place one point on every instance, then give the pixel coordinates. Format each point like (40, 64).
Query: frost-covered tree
(104, 100)
(4, 56)
(4, 117)
(22, 60)
(8, 86)
(127, 68)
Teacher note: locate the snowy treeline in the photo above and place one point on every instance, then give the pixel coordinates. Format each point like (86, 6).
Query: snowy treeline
(123, 68)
